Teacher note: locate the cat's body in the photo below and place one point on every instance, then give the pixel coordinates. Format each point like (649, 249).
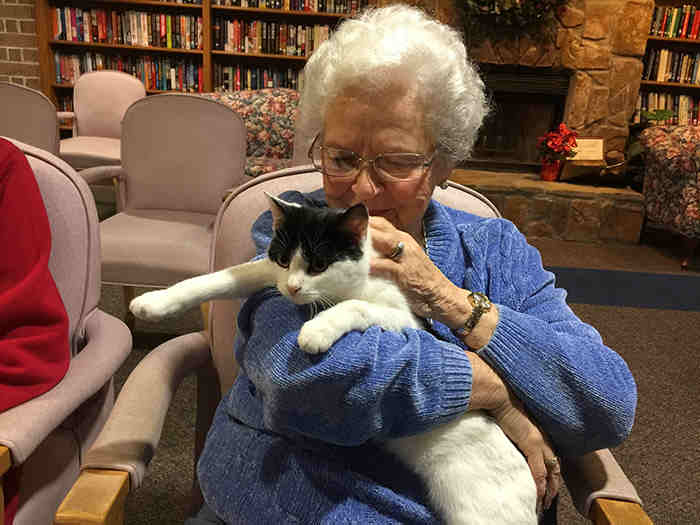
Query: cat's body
(473, 472)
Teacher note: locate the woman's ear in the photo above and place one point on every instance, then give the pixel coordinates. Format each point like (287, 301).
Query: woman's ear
(441, 169)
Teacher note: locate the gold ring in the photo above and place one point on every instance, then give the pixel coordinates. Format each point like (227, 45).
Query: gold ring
(396, 253)
(551, 462)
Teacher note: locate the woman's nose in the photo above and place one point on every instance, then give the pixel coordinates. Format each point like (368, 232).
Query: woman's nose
(364, 187)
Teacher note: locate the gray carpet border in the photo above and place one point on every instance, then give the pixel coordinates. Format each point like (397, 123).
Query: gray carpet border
(632, 289)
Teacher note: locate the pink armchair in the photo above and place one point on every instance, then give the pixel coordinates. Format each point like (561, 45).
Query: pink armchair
(600, 488)
(28, 116)
(48, 435)
(100, 99)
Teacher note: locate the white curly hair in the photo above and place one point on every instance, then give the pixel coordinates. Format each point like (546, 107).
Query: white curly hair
(399, 47)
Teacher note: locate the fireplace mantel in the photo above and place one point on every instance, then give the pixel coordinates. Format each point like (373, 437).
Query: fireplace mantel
(601, 42)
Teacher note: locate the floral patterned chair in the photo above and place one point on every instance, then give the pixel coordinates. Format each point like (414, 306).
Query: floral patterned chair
(269, 116)
(672, 182)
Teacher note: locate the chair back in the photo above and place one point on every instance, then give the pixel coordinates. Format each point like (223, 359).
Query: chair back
(181, 152)
(232, 243)
(75, 243)
(100, 99)
(28, 116)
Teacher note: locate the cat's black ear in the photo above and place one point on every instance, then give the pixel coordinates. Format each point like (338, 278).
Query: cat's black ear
(279, 208)
(355, 221)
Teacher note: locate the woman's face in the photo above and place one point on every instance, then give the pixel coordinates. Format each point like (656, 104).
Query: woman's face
(372, 125)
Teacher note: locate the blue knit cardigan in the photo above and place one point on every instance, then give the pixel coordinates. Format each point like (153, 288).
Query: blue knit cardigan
(296, 438)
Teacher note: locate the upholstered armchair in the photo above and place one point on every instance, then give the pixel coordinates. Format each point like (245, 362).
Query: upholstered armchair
(46, 437)
(180, 154)
(269, 116)
(672, 182)
(118, 461)
(100, 99)
(28, 116)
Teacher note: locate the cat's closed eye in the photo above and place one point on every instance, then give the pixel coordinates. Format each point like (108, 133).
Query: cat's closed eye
(316, 267)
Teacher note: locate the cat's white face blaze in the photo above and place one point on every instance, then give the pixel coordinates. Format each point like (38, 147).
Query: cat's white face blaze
(332, 285)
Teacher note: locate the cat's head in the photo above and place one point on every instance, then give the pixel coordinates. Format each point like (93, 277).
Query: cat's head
(324, 251)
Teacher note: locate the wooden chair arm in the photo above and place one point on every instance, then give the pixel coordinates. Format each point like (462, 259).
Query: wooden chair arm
(5, 464)
(616, 512)
(98, 497)
(5, 459)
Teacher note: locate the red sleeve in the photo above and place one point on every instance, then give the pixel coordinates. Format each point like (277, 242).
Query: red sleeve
(34, 350)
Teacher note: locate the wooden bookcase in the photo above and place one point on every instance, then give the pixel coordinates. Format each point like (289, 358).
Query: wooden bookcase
(208, 55)
(671, 72)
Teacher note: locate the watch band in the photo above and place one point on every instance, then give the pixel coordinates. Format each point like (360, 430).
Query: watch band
(480, 305)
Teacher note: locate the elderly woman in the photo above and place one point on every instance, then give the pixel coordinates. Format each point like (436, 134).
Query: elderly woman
(391, 104)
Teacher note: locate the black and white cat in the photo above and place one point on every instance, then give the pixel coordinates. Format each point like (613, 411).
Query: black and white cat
(474, 473)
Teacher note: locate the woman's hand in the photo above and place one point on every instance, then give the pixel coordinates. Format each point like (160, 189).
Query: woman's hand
(427, 289)
(490, 393)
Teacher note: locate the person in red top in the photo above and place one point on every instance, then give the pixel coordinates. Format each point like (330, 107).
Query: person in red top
(34, 348)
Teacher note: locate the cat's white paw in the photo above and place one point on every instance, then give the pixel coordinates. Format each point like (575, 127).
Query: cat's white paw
(316, 336)
(155, 306)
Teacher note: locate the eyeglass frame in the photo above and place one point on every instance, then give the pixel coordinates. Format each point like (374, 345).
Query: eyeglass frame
(370, 162)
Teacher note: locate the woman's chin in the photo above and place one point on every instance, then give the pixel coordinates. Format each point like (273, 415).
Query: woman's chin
(389, 215)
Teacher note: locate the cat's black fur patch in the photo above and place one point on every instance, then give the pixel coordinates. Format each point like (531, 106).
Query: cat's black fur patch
(320, 234)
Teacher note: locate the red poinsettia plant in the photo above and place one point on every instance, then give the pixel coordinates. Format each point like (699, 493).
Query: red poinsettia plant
(557, 145)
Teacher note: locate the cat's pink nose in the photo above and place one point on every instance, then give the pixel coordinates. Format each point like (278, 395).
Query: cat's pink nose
(293, 289)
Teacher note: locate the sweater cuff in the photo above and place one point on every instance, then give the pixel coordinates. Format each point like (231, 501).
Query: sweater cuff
(457, 381)
(505, 347)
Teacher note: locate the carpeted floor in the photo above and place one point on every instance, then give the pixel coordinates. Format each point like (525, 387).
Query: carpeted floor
(657, 336)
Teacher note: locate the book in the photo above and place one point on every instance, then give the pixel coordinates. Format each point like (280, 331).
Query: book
(683, 33)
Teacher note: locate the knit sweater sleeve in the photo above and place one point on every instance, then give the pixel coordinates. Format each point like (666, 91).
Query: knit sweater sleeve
(371, 384)
(580, 391)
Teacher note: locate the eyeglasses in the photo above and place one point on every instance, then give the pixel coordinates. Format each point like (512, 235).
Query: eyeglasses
(345, 165)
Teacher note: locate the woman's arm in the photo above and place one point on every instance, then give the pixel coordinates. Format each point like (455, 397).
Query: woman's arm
(580, 391)
(371, 384)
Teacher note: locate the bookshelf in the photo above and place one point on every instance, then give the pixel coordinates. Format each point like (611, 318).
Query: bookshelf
(200, 46)
(671, 71)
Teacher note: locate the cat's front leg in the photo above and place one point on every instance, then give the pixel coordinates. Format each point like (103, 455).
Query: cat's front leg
(236, 281)
(160, 304)
(318, 335)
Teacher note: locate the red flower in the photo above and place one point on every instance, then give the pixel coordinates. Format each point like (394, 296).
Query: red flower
(558, 144)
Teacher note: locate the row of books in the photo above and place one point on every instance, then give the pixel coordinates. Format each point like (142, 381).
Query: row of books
(665, 65)
(156, 72)
(676, 22)
(135, 28)
(64, 103)
(237, 78)
(349, 7)
(686, 108)
(259, 36)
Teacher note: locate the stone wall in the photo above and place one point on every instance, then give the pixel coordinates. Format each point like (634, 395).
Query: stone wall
(19, 55)
(602, 42)
(556, 210)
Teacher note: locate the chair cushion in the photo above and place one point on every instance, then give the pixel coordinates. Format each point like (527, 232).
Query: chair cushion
(155, 247)
(86, 152)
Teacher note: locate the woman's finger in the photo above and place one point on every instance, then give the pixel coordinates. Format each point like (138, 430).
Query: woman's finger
(539, 474)
(553, 480)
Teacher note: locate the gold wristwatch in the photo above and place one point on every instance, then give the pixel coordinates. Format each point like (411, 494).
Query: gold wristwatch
(480, 305)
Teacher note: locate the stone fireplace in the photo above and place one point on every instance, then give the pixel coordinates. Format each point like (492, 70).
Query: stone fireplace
(599, 44)
(526, 103)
